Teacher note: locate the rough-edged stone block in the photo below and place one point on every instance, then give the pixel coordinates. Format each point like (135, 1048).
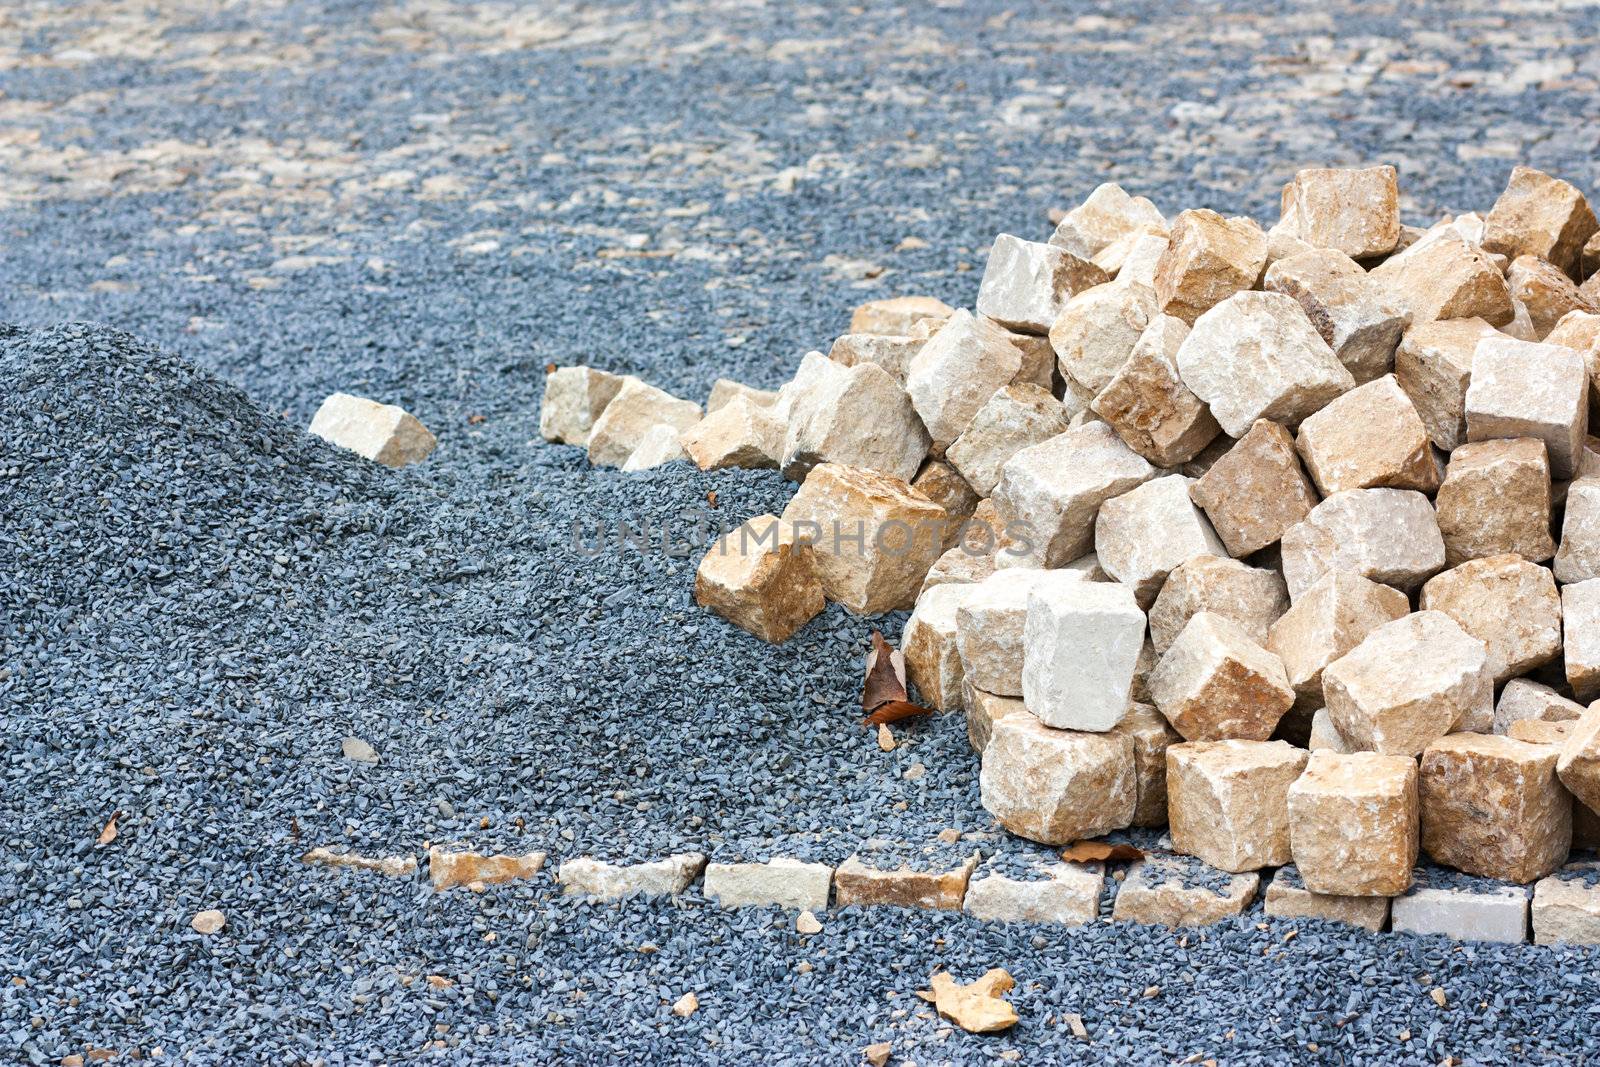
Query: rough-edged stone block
(587, 876)
(897, 315)
(1252, 597)
(1207, 260)
(1152, 735)
(383, 433)
(1536, 732)
(1353, 823)
(957, 371)
(991, 625)
(983, 710)
(943, 484)
(1370, 437)
(1255, 492)
(1215, 683)
(1523, 389)
(1434, 366)
(1546, 292)
(933, 662)
(1288, 898)
(1014, 418)
(1052, 892)
(1578, 765)
(1351, 313)
(1098, 328)
(1141, 535)
(854, 416)
(1388, 535)
(1057, 786)
(1026, 283)
(1506, 602)
(1331, 617)
(1182, 891)
(1578, 558)
(1227, 801)
(1325, 737)
(788, 883)
(738, 434)
(1464, 913)
(1566, 906)
(574, 397)
(1445, 277)
(1492, 806)
(724, 390)
(1147, 403)
(1580, 630)
(762, 579)
(1541, 216)
(936, 880)
(448, 868)
(634, 410)
(1524, 700)
(893, 354)
(1353, 210)
(1495, 498)
(1107, 216)
(660, 445)
(960, 565)
(1081, 643)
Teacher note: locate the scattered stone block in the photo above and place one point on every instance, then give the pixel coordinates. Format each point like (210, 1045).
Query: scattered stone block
(1506, 602)
(1408, 684)
(1493, 807)
(390, 866)
(897, 316)
(1057, 786)
(1035, 889)
(1545, 291)
(1288, 898)
(587, 876)
(1445, 277)
(1141, 535)
(383, 433)
(1580, 629)
(893, 354)
(1356, 211)
(1522, 389)
(1257, 356)
(1525, 700)
(1368, 438)
(1151, 735)
(933, 662)
(1208, 259)
(1388, 535)
(782, 881)
(574, 397)
(983, 710)
(724, 390)
(1147, 403)
(1227, 801)
(1252, 597)
(762, 578)
(1566, 906)
(1098, 328)
(854, 416)
(1055, 490)
(1495, 498)
(1353, 823)
(1541, 216)
(1182, 891)
(1215, 683)
(1026, 283)
(448, 868)
(1578, 765)
(957, 371)
(1472, 912)
(1578, 558)
(1434, 366)
(960, 565)
(1325, 737)
(943, 484)
(1256, 491)
(1014, 418)
(659, 446)
(1331, 617)
(1107, 217)
(633, 412)
(1353, 315)
(874, 537)
(738, 434)
(937, 881)
(1081, 643)
(991, 623)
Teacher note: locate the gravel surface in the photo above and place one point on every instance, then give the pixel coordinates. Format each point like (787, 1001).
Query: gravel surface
(426, 203)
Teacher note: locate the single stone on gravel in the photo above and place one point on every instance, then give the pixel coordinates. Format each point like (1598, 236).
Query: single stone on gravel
(1288, 898)
(1027, 283)
(983, 710)
(991, 625)
(1256, 491)
(1523, 389)
(725, 390)
(208, 922)
(897, 315)
(853, 416)
(1257, 356)
(1081, 642)
(933, 660)
(1056, 488)
(660, 445)
(1388, 535)
(1580, 632)
(1356, 211)
(354, 748)
(1579, 762)
(383, 433)
(1566, 906)
(1495, 498)
(1524, 699)
(1368, 438)
(1057, 786)
(781, 881)
(892, 354)
(1207, 260)
(1252, 597)
(1546, 291)
(574, 398)
(956, 372)
(1151, 735)
(1147, 403)
(636, 408)
(1215, 683)
(762, 578)
(392, 866)
(1407, 684)
(1353, 824)
(1141, 535)
(874, 537)
(1329, 619)
(738, 434)
(448, 868)
(1180, 891)
(1509, 604)
(1014, 418)
(1578, 558)
(1227, 801)
(1541, 216)
(1445, 277)
(936, 880)
(1063, 893)
(1493, 807)
(1434, 366)
(1098, 328)
(1482, 911)
(587, 876)
(1352, 314)
(1106, 217)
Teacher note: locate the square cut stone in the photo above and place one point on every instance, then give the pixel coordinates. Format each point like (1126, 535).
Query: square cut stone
(957, 371)
(1434, 366)
(1109, 215)
(874, 537)
(574, 397)
(761, 579)
(1493, 807)
(1288, 898)
(1151, 735)
(1352, 314)
(1055, 488)
(586, 876)
(1445, 277)
(1481, 912)
(961, 564)
(893, 354)
(1014, 418)
(943, 484)
(383, 433)
(1331, 617)
(1353, 210)
(1545, 291)
(897, 315)
(725, 390)
(1057, 786)
(1252, 597)
(738, 434)
(1580, 331)
(1051, 891)
(1182, 891)
(1214, 683)
(935, 879)
(1255, 492)
(1522, 389)
(933, 662)
(1353, 823)
(1580, 631)
(1142, 534)
(983, 710)
(1541, 733)
(1579, 762)
(1370, 437)
(1257, 356)
(1081, 645)
(1208, 259)
(1506, 602)
(780, 881)
(1407, 684)
(1227, 801)
(660, 445)
(1495, 498)
(1147, 403)
(991, 624)
(1388, 535)
(1097, 330)
(634, 410)
(1578, 558)
(1566, 906)
(853, 416)
(1541, 216)
(1026, 283)
(1525, 700)
(1141, 259)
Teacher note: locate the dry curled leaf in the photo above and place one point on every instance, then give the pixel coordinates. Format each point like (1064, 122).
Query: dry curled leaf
(109, 834)
(896, 710)
(976, 1008)
(1100, 852)
(886, 675)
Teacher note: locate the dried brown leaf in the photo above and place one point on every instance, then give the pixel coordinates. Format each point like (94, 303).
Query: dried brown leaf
(109, 834)
(977, 1008)
(896, 710)
(886, 676)
(1100, 852)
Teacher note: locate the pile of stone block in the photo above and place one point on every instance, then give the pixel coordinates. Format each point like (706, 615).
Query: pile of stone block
(1288, 538)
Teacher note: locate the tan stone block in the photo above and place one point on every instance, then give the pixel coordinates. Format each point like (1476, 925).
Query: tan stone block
(983, 710)
(1546, 291)
(587, 876)
(1580, 331)
(660, 445)
(1215, 683)
(943, 484)
(1147, 403)
(780, 881)
(448, 868)
(855, 416)
(991, 623)
(1288, 898)
(897, 316)
(1434, 366)
(959, 565)
(634, 410)
(1493, 807)
(874, 536)
(1331, 617)
(1027, 283)
(1445, 277)
(1182, 891)
(1257, 356)
(1506, 602)
(1388, 535)
(1081, 645)
(1589, 259)
(939, 883)
(1495, 498)
(1057, 786)
(738, 434)
(1356, 211)
(574, 397)
(1255, 492)
(1579, 765)
(1014, 418)
(957, 371)
(724, 390)
(389, 866)
(1209, 259)
(1578, 559)
(1351, 313)
(1541, 216)
(1566, 907)
(383, 433)
(1524, 699)
(1142, 534)
(1538, 732)
(1252, 597)
(1368, 438)
(1141, 260)
(761, 579)
(893, 354)
(1227, 801)
(1065, 893)
(1523, 389)
(1580, 628)
(1353, 824)
(1098, 328)
(933, 662)
(1151, 735)
(1325, 737)
(1107, 217)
